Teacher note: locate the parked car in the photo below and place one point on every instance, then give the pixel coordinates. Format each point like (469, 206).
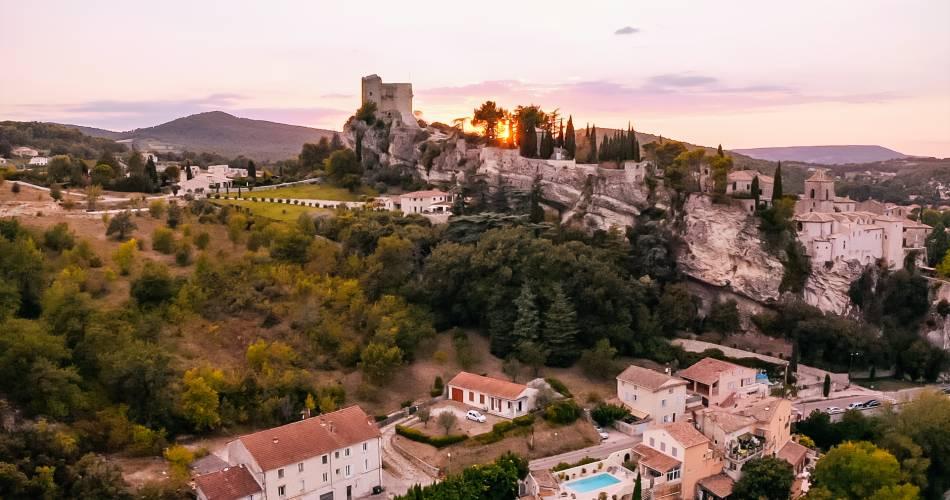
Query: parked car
(831, 410)
(856, 406)
(602, 432)
(475, 416)
(872, 403)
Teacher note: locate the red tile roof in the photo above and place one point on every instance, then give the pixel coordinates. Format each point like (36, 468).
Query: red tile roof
(311, 437)
(707, 370)
(793, 453)
(230, 483)
(425, 194)
(720, 485)
(655, 460)
(685, 433)
(649, 379)
(487, 385)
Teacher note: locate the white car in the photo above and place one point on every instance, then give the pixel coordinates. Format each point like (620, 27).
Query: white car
(475, 416)
(602, 432)
(831, 410)
(856, 406)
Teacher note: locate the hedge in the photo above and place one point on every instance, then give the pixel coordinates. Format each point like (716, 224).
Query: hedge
(564, 465)
(559, 386)
(524, 420)
(437, 441)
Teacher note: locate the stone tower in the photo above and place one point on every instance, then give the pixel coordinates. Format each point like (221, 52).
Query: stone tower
(819, 193)
(393, 100)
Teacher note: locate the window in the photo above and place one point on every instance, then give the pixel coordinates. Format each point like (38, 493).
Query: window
(509, 405)
(663, 403)
(303, 485)
(471, 396)
(346, 452)
(326, 476)
(338, 472)
(365, 464)
(336, 454)
(325, 458)
(652, 442)
(481, 399)
(348, 471)
(300, 467)
(280, 473)
(365, 446)
(519, 405)
(673, 450)
(662, 445)
(673, 474)
(282, 490)
(671, 391)
(666, 419)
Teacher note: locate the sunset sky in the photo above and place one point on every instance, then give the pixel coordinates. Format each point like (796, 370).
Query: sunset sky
(740, 73)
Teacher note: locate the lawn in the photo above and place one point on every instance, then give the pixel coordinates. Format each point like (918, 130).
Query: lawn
(312, 192)
(275, 211)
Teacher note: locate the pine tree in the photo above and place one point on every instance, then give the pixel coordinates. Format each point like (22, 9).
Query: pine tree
(777, 186)
(560, 330)
(527, 326)
(593, 144)
(570, 141)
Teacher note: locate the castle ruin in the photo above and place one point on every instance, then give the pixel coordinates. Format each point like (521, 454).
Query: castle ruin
(392, 99)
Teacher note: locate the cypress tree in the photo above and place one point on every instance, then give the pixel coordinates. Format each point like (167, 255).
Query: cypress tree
(570, 141)
(359, 147)
(527, 324)
(251, 169)
(637, 489)
(560, 329)
(535, 212)
(188, 174)
(719, 151)
(826, 387)
(777, 187)
(560, 134)
(593, 144)
(151, 172)
(529, 143)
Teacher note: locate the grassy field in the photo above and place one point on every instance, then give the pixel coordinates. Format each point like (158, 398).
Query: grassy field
(275, 211)
(313, 192)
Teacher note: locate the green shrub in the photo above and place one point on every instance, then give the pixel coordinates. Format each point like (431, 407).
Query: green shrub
(163, 240)
(524, 420)
(202, 240)
(438, 387)
(502, 427)
(421, 437)
(562, 412)
(559, 386)
(183, 253)
(564, 465)
(605, 414)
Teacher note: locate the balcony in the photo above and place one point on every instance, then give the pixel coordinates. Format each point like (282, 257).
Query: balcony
(744, 448)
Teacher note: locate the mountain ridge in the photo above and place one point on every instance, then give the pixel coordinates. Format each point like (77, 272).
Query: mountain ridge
(825, 154)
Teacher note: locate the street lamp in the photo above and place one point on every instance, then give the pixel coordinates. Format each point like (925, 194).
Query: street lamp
(851, 356)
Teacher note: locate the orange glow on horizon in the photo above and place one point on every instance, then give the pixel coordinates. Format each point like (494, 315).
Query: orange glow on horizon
(502, 129)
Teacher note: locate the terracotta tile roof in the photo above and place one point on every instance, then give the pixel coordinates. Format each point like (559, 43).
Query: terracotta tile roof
(729, 422)
(814, 217)
(793, 453)
(231, 483)
(912, 224)
(685, 434)
(748, 175)
(719, 485)
(544, 479)
(707, 370)
(424, 194)
(888, 218)
(820, 175)
(311, 437)
(208, 464)
(655, 460)
(649, 379)
(487, 385)
(763, 410)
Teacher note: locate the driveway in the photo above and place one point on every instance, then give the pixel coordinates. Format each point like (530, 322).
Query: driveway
(464, 425)
(615, 442)
(399, 474)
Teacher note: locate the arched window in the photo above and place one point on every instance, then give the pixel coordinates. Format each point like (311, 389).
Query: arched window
(812, 193)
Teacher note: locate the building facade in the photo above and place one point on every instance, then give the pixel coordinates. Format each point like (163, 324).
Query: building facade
(719, 382)
(498, 397)
(672, 459)
(334, 456)
(652, 394)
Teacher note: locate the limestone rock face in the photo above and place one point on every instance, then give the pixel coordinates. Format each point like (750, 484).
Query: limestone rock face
(827, 288)
(723, 248)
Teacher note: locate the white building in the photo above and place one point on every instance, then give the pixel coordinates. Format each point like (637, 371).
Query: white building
(426, 202)
(498, 397)
(226, 171)
(332, 456)
(720, 383)
(739, 186)
(39, 161)
(648, 393)
(831, 230)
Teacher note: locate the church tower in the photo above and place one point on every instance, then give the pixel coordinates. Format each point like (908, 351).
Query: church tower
(819, 193)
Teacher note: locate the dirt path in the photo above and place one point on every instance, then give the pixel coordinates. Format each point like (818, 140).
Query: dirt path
(399, 474)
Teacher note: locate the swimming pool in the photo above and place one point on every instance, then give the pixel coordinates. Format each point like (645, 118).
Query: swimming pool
(592, 483)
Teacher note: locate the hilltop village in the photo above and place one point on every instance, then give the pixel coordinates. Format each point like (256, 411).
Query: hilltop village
(577, 312)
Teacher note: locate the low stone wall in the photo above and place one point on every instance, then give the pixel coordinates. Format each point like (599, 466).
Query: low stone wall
(418, 462)
(632, 429)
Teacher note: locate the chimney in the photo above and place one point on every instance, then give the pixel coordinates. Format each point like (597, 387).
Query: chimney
(667, 370)
(332, 427)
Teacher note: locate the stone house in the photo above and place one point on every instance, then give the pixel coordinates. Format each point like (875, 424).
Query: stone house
(498, 397)
(652, 394)
(331, 456)
(739, 185)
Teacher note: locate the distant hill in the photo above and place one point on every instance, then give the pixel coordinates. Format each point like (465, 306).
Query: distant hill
(221, 133)
(824, 155)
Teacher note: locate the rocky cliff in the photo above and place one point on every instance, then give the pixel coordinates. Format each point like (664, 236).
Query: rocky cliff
(827, 288)
(723, 248)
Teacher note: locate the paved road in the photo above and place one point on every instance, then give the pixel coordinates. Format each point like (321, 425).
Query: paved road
(617, 441)
(399, 474)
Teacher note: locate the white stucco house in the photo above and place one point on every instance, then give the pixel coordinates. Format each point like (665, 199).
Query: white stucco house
(39, 161)
(651, 394)
(334, 456)
(498, 397)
